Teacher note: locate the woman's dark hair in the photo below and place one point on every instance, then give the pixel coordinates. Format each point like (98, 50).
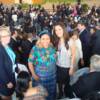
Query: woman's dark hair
(55, 39)
(74, 32)
(22, 85)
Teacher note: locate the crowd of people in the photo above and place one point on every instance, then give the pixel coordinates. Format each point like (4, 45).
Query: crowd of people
(60, 52)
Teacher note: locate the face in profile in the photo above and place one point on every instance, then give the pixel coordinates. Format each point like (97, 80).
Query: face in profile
(59, 31)
(45, 40)
(79, 27)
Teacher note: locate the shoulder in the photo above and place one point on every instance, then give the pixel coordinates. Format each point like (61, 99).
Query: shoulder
(78, 42)
(1, 48)
(95, 74)
(90, 75)
(35, 49)
(71, 42)
(85, 31)
(2, 53)
(52, 49)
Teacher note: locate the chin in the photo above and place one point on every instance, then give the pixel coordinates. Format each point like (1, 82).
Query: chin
(46, 46)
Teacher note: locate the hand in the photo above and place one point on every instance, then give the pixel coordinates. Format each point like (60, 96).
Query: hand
(36, 77)
(9, 85)
(82, 62)
(71, 71)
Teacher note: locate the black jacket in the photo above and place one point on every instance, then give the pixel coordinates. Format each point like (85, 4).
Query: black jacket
(86, 84)
(6, 72)
(96, 47)
(85, 40)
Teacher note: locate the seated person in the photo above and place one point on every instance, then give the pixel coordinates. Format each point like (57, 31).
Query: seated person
(78, 73)
(89, 82)
(92, 96)
(24, 91)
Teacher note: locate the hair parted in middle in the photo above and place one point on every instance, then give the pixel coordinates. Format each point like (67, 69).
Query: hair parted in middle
(55, 39)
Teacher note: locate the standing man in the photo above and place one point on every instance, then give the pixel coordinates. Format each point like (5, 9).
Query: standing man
(84, 36)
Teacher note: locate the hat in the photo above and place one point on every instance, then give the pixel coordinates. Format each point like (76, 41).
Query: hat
(44, 32)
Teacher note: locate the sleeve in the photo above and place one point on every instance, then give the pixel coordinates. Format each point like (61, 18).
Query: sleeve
(70, 43)
(80, 49)
(32, 55)
(3, 75)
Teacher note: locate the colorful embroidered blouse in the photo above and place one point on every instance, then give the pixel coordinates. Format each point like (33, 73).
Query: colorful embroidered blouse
(44, 61)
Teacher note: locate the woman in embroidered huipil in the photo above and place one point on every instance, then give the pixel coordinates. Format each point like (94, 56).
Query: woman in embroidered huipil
(41, 63)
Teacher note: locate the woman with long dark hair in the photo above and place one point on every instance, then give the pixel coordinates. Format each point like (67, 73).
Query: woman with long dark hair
(65, 58)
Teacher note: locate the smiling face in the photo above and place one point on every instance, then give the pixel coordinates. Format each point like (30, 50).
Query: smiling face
(45, 40)
(59, 31)
(5, 37)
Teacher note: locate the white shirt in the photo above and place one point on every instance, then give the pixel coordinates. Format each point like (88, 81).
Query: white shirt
(64, 56)
(78, 51)
(78, 46)
(14, 17)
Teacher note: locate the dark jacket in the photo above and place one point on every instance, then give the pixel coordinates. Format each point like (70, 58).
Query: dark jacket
(96, 47)
(85, 40)
(6, 72)
(86, 84)
(15, 44)
(26, 46)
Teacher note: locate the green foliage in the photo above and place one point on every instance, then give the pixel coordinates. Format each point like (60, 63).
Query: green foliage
(24, 6)
(61, 1)
(85, 7)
